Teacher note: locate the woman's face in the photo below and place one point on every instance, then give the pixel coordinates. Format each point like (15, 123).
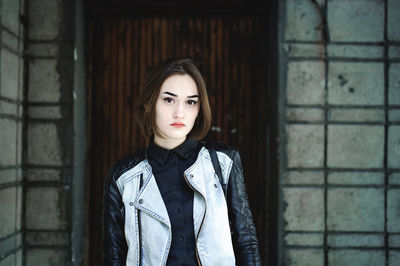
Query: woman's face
(177, 107)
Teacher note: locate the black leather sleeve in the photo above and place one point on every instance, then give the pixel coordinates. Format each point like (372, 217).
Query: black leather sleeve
(114, 243)
(243, 230)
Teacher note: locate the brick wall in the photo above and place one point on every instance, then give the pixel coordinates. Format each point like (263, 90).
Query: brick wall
(11, 113)
(340, 117)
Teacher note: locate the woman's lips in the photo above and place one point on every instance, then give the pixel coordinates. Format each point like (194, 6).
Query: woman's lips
(178, 125)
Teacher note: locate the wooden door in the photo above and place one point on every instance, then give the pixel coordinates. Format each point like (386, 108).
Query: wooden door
(229, 51)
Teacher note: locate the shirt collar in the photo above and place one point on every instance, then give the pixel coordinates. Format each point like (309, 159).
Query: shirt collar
(161, 155)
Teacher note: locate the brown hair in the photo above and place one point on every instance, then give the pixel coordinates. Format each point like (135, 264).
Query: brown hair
(145, 109)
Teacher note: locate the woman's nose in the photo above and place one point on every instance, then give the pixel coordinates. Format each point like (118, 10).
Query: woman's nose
(179, 111)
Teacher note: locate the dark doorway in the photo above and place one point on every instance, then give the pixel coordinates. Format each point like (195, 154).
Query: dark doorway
(228, 41)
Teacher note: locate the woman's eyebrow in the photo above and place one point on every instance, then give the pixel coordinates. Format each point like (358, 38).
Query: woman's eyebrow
(170, 93)
(174, 95)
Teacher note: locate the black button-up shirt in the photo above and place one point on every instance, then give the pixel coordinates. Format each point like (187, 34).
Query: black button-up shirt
(168, 168)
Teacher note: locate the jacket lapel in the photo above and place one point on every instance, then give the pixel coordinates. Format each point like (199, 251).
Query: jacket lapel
(195, 176)
(149, 199)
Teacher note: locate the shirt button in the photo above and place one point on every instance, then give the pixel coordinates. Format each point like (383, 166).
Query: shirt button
(190, 176)
(140, 201)
(130, 203)
(181, 238)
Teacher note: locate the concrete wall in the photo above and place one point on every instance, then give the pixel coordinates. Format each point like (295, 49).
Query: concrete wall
(11, 114)
(49, 138)
(340, 135)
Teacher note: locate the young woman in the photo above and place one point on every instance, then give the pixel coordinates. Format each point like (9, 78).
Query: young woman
(166, 204)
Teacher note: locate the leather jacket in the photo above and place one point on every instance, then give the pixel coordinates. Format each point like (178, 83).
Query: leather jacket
(136, 227)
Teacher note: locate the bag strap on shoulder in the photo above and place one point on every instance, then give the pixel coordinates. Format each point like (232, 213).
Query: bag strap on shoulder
(217, 167)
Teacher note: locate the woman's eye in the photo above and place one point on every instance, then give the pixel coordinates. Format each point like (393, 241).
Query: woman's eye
(168, 100)
(191, 102)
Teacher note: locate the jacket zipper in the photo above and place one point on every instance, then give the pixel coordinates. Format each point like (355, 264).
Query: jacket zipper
(197, 237)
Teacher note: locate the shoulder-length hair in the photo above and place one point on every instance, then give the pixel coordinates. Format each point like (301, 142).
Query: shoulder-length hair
(145, 110)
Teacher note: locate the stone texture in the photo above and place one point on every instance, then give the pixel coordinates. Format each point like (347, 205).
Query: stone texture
(46, 208)
(9, 244)
(9, 75)
(9, 260)
(43, 144)
(304, 257)
(304, 209)
(355, 146)
(356, 257)
(394, 115)
(303, 21)
(8, 175)
(8, 206)
(355, 51)
(44, 81)
(394, 179)
(21, 93)
(356, 240)
(8, 142)
(19, 142)
(394, 258)
(304, 239)
(8, 108)
(394, 84)
(305, 145)
(356, 115)
(44, 49)
(10, 15)
(303, 178)
(394, 147)
(45, 19)
(18, 260)
(356, 83)
(47, 239)
(18, 209)
(44, 112)
(394, 52)
(296, 50)
(356, 21)
(46, 257)
(306, 83)
(43, 175)
(393, 210)
(352, 209)
(10, 41)
(393, 20)
(394, 241)
(355, 178)
(305, 114)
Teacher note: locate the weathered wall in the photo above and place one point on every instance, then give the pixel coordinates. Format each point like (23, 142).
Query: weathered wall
(49, 137)
(11, 113)
(340, 114)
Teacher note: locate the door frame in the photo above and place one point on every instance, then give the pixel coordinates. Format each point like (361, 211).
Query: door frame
(105, 10)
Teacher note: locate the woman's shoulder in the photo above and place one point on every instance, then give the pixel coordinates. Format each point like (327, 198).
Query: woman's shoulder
(128, 162)
(222, 147)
